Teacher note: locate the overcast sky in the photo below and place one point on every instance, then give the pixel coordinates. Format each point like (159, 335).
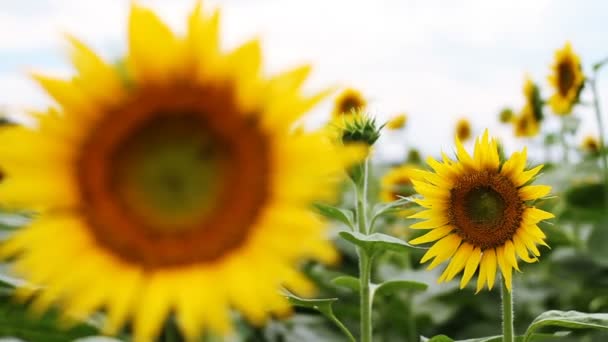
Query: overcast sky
(436, 60)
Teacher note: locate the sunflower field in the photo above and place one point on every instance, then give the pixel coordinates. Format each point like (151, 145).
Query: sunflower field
(179, 192)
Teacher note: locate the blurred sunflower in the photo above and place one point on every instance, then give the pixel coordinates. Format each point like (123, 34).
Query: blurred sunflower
(397, 183)
(479, 213)
(590, 144)
(397, 122)
(348, 101)
(525, 124)
(506, 115)
(463, 130)
(567, 79)
(172, 187)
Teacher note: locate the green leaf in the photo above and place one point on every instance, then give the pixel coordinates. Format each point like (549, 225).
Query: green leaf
(348, 282)
(333, 213)
(438, 338)
(568, 319)
(322, 305)
(376, 242)
(392, 286)
(18, 322)
(589, 196)
(392, 207)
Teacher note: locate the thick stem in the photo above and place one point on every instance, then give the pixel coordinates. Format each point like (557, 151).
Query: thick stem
(365, 260)
(365, 269)
(507, 313)
(600, 124)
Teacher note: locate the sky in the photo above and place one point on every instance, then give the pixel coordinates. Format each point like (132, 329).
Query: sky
(438, 61)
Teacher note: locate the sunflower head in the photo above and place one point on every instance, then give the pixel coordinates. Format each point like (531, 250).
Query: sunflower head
(567, 80)
(506, 115)
(397, 122)
(480, 213)
(164, 177)
(591, 145)
(397, 183)
(359, 128)
(525, 124)
(463, 130)
(350, 100)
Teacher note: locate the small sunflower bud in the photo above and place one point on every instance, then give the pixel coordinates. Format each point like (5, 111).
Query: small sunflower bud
(506, 115)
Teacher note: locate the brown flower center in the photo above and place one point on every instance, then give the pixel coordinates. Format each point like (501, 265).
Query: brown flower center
(566, 73)
(485, 209)
(349, 104)
(174, 176)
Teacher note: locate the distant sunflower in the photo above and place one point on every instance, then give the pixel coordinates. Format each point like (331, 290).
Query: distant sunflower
(348, 101)
(397, 183)
(479, 213)
(463, 130)
(591, 144)
(525, 124)
(567, 79)
(172, 187)
(397, 122)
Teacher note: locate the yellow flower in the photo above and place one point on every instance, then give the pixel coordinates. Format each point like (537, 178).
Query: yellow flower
(591, 144)
(397, 183)
(397, 122)
(479, 213)
(525, 124)
(171, 187)
(567, 79)
(463, 130)
(348, 101)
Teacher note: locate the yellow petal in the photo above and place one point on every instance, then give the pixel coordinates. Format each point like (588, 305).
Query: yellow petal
(488, 262)
(459, 260)
(520, 249)
(97, 78)
(431, 223)
(155, 54)
(471, 267)
(522, 178)
(442, 249)
(433, 235)
(510, 254)
(505, 266)
(532, 192)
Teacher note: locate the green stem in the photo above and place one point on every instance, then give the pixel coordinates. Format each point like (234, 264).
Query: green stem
(562, 139)
(507, 313)
(344, 329)
(365, 267)
(411, 321)
(365, 260)
(600, 124)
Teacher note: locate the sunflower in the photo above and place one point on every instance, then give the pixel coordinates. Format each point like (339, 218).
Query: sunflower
(171, 187)
(479, 212)
(525, 124)
(567, 79)
(397, 122)
(348, 101)
(463, 129)
(397, 183)
(590, 144)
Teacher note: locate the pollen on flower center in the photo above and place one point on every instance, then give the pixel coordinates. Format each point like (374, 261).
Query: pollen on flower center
(169, 172)
(485, 205)
(485, 208)
(174, 177)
